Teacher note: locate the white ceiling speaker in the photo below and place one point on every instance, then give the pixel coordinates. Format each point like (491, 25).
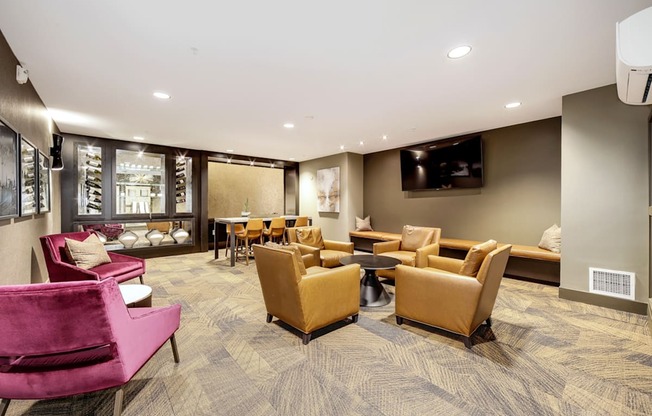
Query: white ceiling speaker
(21, 74)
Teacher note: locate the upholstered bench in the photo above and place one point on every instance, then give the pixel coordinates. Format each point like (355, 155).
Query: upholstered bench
(525, 262)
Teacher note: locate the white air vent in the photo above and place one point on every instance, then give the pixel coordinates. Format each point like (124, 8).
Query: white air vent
(612, 283)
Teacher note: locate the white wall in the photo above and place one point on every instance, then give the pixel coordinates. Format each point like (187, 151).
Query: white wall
(335, 226)
(604, 192)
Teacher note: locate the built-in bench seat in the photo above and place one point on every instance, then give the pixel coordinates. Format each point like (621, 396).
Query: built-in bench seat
(527, 262)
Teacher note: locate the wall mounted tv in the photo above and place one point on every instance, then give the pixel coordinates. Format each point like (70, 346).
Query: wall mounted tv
(445, 164)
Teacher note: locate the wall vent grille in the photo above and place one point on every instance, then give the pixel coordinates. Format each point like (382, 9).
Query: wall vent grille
(612, 283)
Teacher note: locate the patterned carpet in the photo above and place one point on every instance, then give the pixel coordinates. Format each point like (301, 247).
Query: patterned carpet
(543, 356)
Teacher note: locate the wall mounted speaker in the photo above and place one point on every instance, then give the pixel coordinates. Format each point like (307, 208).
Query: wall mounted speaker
(55, 152)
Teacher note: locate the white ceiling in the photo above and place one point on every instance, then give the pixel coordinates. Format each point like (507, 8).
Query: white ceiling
(341, 71)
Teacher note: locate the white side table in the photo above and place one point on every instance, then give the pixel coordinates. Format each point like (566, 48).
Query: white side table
(136, 296)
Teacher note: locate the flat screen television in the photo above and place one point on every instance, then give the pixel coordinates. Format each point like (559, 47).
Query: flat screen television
(445, 164)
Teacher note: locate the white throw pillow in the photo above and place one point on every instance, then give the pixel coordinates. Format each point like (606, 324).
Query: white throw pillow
(551, 239)
(363, 224)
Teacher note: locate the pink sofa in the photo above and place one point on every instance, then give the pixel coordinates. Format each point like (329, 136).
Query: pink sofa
(63, 339)
(60, 269)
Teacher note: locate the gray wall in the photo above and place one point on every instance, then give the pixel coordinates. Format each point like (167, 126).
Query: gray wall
(335, 226)
(519, 200)
(23, 110)
(605, 183)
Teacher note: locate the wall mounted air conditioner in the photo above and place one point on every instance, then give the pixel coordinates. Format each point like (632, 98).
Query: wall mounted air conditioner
(634, 58)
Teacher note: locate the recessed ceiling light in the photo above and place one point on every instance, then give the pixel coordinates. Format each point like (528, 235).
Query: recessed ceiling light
(341, 147)
(161, 95)
(361, 143)
(459, 52)
(288, 125)
(229, 150)
(292, 158)
(384, 137)
(513, 105)
(139, 138)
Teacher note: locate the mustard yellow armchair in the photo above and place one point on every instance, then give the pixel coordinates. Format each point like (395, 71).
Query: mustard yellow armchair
(439, 296)
(309, 301)
(413, 249)
(329, 252)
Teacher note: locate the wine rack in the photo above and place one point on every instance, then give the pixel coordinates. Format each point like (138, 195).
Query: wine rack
(183, 186)
(90, 180)
(140, 182)
(28, 178)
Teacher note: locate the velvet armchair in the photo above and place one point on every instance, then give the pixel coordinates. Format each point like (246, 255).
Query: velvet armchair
(64, 339)
(60, 269)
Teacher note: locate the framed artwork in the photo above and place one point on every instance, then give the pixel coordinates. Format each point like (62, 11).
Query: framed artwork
(328, 190)
(8, 172)
(43, 183)
(28, 178)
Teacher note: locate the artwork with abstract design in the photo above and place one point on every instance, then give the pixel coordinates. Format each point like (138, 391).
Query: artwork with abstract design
(328, 190)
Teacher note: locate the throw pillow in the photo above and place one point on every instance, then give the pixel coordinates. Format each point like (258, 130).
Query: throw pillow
(363, 224)
(551, 239)
(413, 238)
(88, 253)
(310, 236)
(475, 257)
(295, 252)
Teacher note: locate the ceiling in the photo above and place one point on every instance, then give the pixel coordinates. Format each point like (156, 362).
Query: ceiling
(343, 72)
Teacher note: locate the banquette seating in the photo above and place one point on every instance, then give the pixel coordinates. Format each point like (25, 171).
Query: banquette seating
(306, 299)
(452, 294)
(64, 339)
(62, 269)
(413, 249)
(310, 240)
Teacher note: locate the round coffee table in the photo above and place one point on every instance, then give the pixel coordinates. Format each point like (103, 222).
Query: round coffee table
(372, 292)
(136, 296)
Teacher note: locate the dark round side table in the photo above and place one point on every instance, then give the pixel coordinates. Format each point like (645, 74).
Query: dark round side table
(372, 292)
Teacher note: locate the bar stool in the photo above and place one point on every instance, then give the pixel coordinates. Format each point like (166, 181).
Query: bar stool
(239, 228)
(276, 230)
(253, 231)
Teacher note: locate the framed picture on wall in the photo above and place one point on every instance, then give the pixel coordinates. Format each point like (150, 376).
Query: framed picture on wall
(8, 172)
(328, 190)
(43, 183)
(28, 178)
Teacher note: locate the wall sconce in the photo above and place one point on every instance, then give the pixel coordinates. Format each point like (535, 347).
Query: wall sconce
(55, 152)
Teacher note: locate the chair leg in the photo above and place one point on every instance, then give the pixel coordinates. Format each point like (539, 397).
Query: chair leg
(269, 318)
(354, 318)
(399, 320)
(467, 342)
(489, 323)
(117, 404)
(306, 338)
(175, 350)
(247, 251)
(4, 404)
(142, 280)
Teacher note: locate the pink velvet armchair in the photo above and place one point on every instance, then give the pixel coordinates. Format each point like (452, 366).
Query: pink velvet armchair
(48, 352)
(60, 269)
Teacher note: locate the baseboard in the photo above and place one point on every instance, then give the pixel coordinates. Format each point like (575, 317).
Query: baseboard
(624, 305)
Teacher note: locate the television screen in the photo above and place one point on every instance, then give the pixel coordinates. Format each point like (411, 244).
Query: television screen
(446, 164)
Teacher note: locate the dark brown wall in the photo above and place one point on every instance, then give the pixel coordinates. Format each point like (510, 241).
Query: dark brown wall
(521, 196)
(22, 109)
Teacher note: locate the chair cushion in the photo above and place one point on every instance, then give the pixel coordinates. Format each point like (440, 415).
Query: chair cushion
(363, 224)
(310, 237)
(475, 257)
(88, 253)
(117, 268)
(407, 257)
(295, 251)
(413, 238)
(331, 258)
(551, 239)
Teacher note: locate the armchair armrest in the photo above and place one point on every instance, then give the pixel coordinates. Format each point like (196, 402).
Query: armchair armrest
(70, 273)
(385, 246)
(309, 254)
(421, 259)
(339, 246)
(125, 258)
(328, 296)
(445, 263)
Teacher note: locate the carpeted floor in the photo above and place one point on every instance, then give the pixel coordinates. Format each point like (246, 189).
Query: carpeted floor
(549, 357)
